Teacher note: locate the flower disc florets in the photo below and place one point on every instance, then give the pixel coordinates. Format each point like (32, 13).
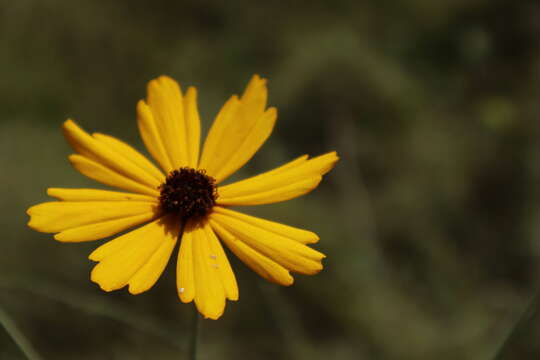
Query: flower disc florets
(188, 193)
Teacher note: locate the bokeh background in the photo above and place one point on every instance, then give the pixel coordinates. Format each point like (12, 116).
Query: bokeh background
(431, 220)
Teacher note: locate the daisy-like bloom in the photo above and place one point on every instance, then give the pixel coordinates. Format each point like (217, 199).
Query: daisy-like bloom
(185, 199)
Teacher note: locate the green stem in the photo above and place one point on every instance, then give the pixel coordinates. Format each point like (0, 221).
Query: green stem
(194, 335)
(17, 336)
(532, 311)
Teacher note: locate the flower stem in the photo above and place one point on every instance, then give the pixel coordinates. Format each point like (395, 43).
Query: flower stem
(17, 336)
(194, 335)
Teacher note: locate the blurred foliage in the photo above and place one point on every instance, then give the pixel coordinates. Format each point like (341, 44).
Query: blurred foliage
(431, 220)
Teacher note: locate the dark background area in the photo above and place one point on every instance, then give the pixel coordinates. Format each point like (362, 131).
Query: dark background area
(430, 221)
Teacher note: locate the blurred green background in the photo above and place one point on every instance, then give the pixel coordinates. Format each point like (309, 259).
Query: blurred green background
(431, 220)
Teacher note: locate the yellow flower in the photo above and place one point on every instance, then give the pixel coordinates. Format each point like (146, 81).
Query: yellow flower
(185, 199)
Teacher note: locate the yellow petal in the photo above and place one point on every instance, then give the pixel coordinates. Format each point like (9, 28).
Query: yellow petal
(151, 137)
(281, 193)
(255, 95)
(240, 129)
(147, 275)
(217, 255)
(103, 229)
(210, 293)
(262, 265)
(130, 153)
(218, 262)
(58, 216)
(95, 195)
(300, 235)
(185, 281)
(108, 156)
(107, 176)
(230, 190)
(286, 182)
(167, 105)
(287, 252)
(131, 252)
(291, 164)
(212, 144)
(193, 126)
(244, 151)
(109, 248)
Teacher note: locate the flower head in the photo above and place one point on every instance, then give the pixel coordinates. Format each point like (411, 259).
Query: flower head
(185, 199)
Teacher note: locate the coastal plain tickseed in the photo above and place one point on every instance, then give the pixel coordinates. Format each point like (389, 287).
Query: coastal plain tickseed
(183, 199)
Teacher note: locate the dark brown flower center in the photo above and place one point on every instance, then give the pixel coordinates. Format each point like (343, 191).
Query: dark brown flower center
(188, 193)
